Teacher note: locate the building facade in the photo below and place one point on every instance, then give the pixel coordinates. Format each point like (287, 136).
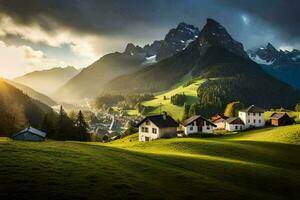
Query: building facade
(198, 124)
(220, 121)
(158, 126)
(234, 124)
(253, 117)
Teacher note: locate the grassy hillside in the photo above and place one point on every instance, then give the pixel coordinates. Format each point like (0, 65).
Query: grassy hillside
(18, 110)
(185, 168)
(165, 105)
(32, 93)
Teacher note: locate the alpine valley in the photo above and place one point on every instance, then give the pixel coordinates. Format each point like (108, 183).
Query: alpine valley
(261, 76)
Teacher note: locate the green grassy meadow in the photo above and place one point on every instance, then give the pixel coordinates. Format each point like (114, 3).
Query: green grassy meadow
(258, 164)
(175, 111)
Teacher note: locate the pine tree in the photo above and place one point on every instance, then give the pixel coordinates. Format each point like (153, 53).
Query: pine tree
(186, 111)
(49, 124)
(81, 127)
(65, 126)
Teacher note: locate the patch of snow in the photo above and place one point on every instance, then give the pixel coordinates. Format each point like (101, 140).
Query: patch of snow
(260, 61)
(296, 58)
(182, 41)
(150, 60)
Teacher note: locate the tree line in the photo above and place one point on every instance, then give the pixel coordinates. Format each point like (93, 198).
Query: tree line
(59, 126)
(124, 102)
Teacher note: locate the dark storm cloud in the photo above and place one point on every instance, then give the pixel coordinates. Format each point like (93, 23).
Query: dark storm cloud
(146, 18)
(283, 15)
(104, 16)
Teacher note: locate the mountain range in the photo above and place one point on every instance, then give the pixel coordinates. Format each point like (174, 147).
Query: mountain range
(284, 65)
(47, 81)
(231, 73)
(92, 80)
(216, 56)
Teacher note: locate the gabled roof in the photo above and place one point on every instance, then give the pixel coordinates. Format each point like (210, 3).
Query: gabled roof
(235, 120)
(279, 115)
(194, 118)
(218, 118)
(253, 109)
(160, 121)
(33, 131)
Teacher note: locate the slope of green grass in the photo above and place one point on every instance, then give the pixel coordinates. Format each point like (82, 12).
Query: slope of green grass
(175, 111)
(244, 166)
(283, 134)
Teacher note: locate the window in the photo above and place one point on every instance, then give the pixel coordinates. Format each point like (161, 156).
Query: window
(254, 121)
(147, 122)
(248, 120)
(236, 127)
(259, 121)
(208, 127)
(154, 130)
(259, 114)
(253, 114)
(191, 128)
(146, 130)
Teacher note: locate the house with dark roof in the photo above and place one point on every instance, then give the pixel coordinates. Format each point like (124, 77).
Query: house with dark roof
(157, 126)
(198, 124)
(280, 119)
(234, 124)
(219, 120)
(30, 134)
(252, 117)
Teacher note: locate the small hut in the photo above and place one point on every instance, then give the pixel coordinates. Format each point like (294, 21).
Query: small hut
(30, 134)
(280, 119)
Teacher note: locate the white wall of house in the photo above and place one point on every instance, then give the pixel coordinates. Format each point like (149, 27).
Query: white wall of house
(149, 131)
(220, 125)
(234, 127)
(252, 119)
(168, 132)
(193, 128)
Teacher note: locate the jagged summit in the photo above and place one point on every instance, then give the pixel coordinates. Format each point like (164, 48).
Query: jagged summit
(177, 39)
(214, 34)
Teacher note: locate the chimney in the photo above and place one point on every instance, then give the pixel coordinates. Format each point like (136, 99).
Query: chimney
(165, 114)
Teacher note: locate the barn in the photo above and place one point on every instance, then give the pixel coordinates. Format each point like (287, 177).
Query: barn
(30, 134)
(280, 119)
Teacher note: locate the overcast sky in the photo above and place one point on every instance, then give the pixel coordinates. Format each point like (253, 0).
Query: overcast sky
(40, 34)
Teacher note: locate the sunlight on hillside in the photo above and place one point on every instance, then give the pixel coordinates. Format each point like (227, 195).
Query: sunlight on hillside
(162, 101)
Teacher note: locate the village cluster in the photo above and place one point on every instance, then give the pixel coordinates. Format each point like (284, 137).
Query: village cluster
(164, 126)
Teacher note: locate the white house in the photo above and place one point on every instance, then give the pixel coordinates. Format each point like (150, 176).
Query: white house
(252, 117)
(158, 126)
(219, 120)
(198, 124)
(234, 124)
